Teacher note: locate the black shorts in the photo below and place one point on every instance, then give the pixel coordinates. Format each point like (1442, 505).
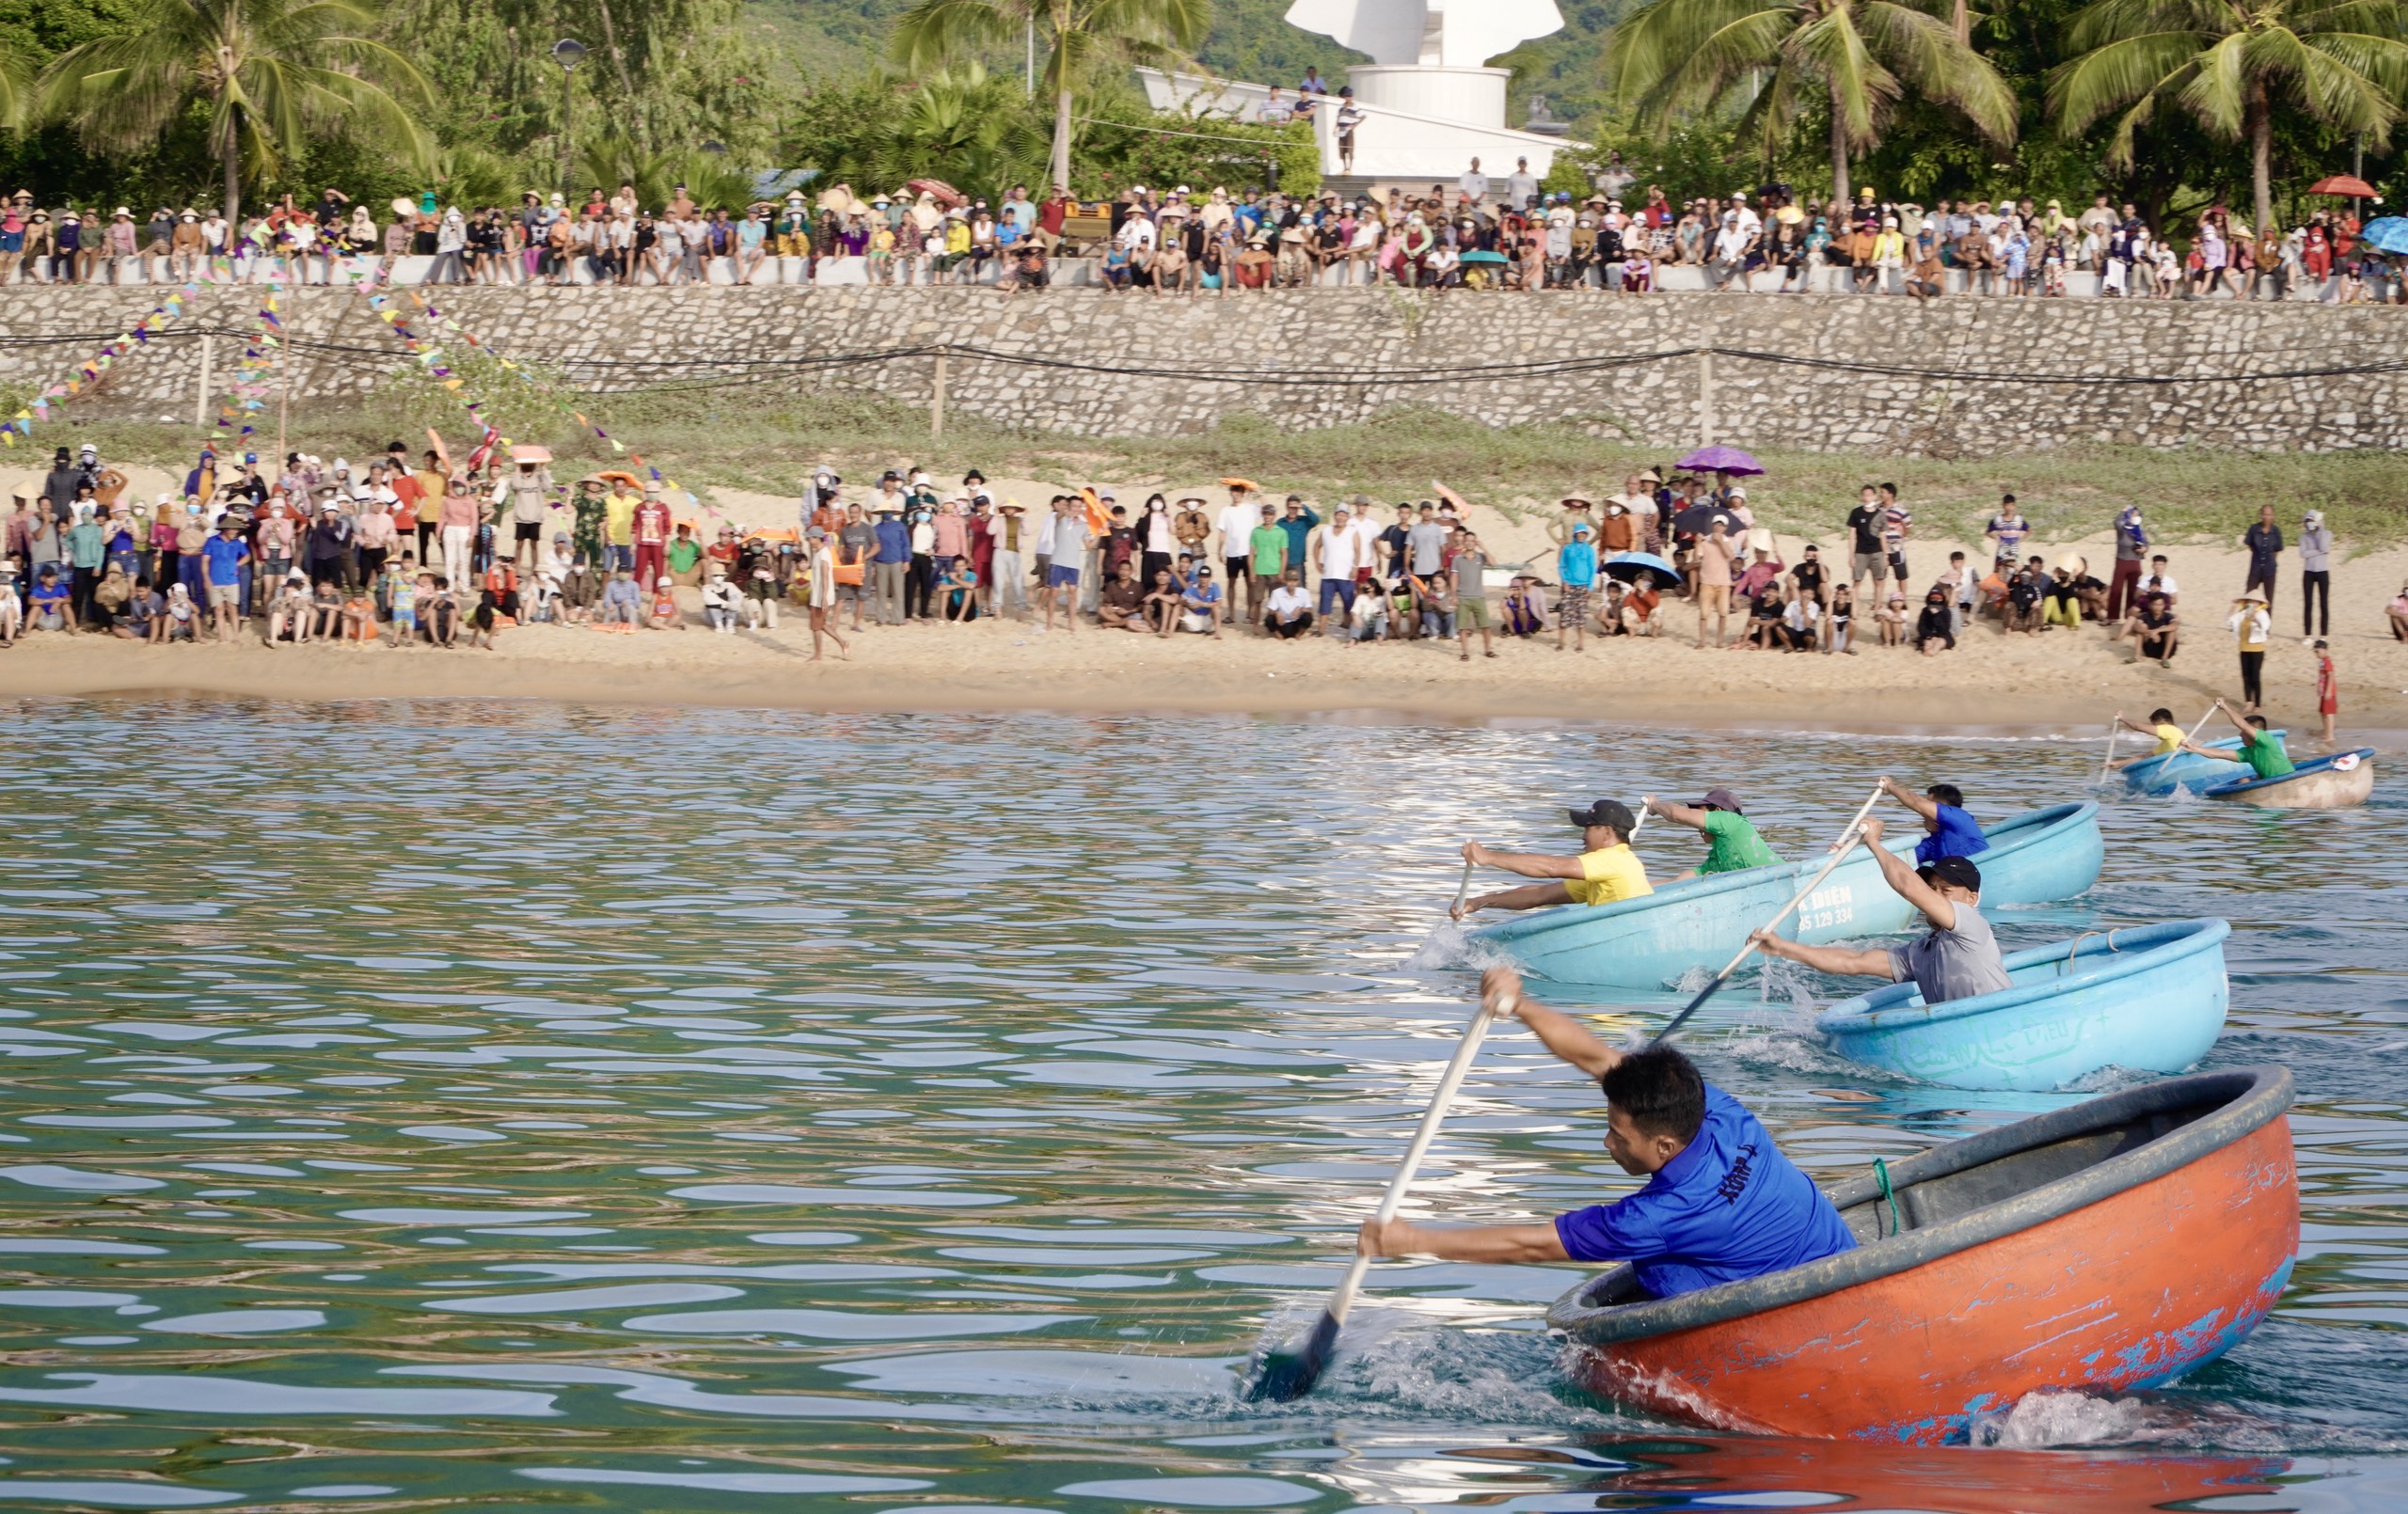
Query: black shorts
(530, 531)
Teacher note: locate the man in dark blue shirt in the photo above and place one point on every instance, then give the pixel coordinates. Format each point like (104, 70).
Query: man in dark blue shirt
(1720, 1203)
(1948, 830)
(889, 560)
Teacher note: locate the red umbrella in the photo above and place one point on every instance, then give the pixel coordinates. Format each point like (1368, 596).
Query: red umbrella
(2345, 185)
(946, 195)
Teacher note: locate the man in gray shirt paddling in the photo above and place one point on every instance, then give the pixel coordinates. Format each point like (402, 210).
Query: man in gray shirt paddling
(1957, 959)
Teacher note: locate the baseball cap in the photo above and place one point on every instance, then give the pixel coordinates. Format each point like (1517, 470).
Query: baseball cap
(1959, 870)
(1720, 800)
(1606, 813)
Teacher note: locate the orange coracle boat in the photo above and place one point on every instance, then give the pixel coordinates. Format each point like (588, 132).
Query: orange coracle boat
(2112, 1245)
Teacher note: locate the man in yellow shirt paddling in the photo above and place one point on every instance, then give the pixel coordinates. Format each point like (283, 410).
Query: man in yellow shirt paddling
(1605, 869)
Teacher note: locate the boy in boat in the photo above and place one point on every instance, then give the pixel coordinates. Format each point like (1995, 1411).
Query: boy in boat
(2171, 738)
(1731, 839)
(1956, 959)
(1720, 1203)
(1605, 869)
(2259, 748)
(1948, 830)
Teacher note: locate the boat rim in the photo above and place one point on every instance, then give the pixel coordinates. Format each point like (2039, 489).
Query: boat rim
(2307, 770)
(2027, 828)
(2172, 940)
(2250, 1098)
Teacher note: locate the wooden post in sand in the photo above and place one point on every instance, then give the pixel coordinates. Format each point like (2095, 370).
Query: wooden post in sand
(200, 399)
(936, 402)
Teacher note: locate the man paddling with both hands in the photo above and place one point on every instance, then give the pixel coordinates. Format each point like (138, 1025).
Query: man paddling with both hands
(1957, 959)
(1605, 869)
(1722, 1204)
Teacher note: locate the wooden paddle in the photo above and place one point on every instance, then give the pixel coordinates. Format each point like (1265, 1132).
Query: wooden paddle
(1846, 844)
(2114, 728)
(1291, 1374)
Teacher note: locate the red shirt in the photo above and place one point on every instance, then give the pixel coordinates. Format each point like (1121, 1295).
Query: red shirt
(1050, 215)
(652, 525)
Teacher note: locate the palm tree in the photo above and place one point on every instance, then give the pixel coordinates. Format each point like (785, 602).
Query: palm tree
(1073, 32)
(2344, 62)
(269, 72)
(1681, 56)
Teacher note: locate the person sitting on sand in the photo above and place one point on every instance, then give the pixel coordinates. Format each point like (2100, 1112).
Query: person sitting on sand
(2396, 613)
(1936, 627)
(1889, 621)
(1731, 840)
(1290, 614)
(2171, 738)
(288, 613)
(622, 601)
(660, 613)
(1605, 869)
(2156, 630)
(1722, 1204)
(1957, 959)
(438, 612)
(1123, 603)
(182, 620)
(326, 611)
(358, 615)
(720, 602)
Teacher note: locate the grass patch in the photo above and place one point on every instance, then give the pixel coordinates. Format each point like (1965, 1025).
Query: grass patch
(769, 438)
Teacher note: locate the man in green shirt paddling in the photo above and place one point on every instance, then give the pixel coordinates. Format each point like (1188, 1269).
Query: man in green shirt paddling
(1731, 839)
(2259, 748)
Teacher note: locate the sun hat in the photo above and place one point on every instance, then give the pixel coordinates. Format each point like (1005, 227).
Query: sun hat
(1720, 800)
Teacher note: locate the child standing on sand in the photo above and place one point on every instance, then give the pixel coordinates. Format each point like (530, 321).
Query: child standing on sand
(2328, 689)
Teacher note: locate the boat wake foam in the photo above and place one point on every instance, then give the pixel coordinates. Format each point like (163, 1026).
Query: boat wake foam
(1398, 1362)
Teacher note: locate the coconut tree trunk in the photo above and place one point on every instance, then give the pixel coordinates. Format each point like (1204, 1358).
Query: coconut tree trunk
(1061, 160)
(627, 84)
(231, 150)
(1839, 154)
(2261, 154)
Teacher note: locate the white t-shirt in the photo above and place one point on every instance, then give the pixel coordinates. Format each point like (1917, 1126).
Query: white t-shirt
(1340, 551)
(1287, 601)
(1474, 185)
(1136, 232)
(1237, 524)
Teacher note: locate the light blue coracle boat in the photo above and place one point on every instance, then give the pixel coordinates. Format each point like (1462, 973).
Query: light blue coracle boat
(1648, 942)
(2160, 776)
(2151, 999)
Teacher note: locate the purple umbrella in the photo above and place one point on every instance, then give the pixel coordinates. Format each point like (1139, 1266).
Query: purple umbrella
(1719, 459)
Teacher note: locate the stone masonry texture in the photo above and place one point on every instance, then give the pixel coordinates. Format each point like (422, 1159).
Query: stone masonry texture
(1959, 377)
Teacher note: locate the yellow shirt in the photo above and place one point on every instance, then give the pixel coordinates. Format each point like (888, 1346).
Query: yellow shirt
(431, 486)
(619, 520)
(2169, 738)
(1607, 875)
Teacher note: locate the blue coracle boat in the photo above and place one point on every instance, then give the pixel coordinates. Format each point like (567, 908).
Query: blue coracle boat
(1650, 942)
(2151, 999)
(2160, 776)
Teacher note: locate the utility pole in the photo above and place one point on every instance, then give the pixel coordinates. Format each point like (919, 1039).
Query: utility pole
(936, 402)
(201, 399)
(569, 53)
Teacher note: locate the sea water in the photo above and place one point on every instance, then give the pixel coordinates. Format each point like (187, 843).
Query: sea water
(419, 1106)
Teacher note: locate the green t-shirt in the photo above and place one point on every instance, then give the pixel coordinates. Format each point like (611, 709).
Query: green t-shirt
(683, 554)
(1270, 545)
(2264, 753)
(1732, 844)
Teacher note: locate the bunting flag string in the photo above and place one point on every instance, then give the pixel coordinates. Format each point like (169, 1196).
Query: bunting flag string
(88, 371)
(249, 389)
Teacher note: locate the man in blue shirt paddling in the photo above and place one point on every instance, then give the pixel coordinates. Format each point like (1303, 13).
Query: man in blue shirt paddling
(1948, 831)
(1720, 1203)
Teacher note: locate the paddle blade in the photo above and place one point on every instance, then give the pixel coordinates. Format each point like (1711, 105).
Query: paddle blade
(1288, 1375)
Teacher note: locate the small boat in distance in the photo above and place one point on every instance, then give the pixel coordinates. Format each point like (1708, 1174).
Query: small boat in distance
(2153, 998)
(2115, 1244)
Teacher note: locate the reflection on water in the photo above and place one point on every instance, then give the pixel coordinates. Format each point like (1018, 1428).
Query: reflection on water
(428, 1105)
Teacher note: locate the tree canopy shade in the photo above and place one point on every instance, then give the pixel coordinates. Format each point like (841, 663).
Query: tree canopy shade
(1074, 33)
(2231, 67)
(270, 74)
(1855, 57)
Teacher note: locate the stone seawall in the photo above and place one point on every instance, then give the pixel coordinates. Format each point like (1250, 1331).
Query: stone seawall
(1958, 377)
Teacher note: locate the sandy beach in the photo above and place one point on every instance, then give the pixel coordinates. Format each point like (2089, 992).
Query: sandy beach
(2054, 681)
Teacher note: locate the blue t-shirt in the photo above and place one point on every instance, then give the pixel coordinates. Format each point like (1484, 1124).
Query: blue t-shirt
(894, 542)
(1730, 1207)
(223, 555)
(1958, 836)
